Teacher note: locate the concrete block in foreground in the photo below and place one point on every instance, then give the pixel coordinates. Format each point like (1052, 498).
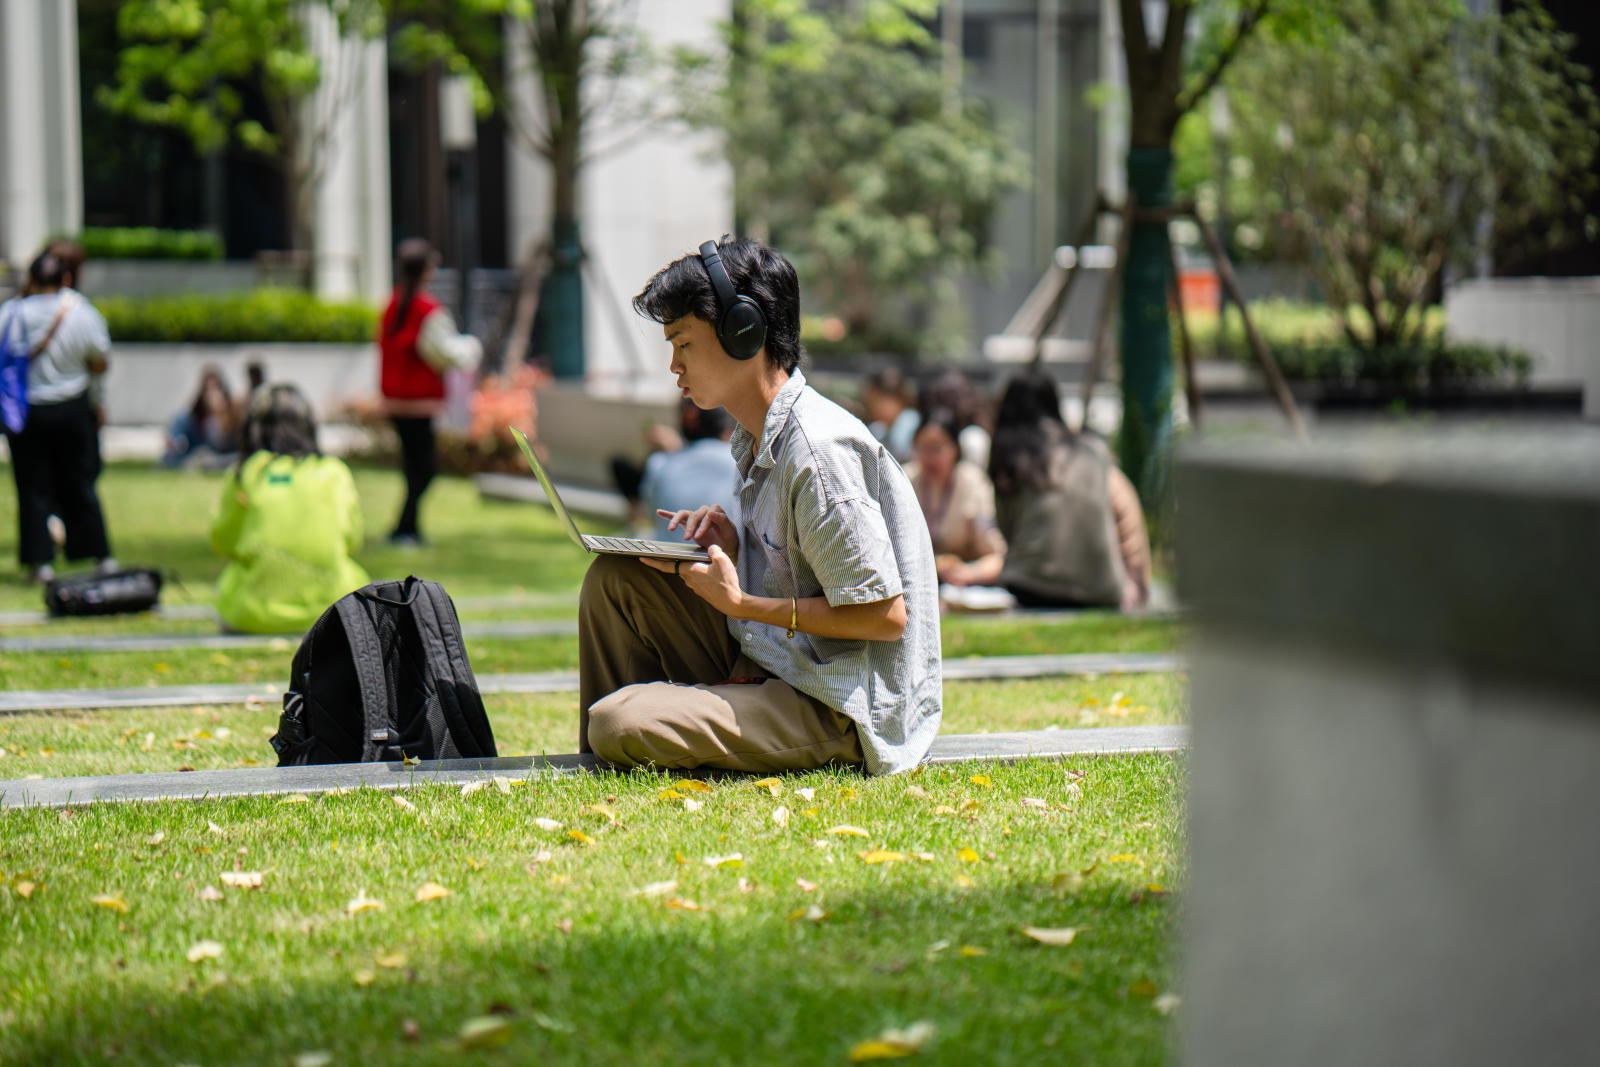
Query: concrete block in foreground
(1397, 738)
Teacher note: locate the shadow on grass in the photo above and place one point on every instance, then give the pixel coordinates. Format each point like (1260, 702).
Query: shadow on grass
(651, 985)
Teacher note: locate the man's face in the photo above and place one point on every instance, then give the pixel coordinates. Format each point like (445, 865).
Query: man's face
(699, 364)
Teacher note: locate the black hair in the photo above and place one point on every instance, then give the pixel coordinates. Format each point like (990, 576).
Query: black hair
(46, 271)
(955, 392)
(683, 287)
(700, 425)
(890, 381)
(941, 419)
(198, 410)
(414, 258)
(1026, 430)
(279, 420)
(72, 258)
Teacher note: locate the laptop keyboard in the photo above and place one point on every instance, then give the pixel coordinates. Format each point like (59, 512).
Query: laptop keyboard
(629, 544)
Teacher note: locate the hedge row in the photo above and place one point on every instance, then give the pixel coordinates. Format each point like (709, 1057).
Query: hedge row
(147, 242)
(258, 316)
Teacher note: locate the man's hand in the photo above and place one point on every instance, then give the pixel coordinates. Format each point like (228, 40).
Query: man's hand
(715, 582)
(705, 526)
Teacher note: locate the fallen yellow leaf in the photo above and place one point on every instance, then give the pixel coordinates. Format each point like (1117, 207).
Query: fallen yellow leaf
(893, 1044)
(155, 838)
(692, 785)
(916, 792)
(655, 889)
(24, 889)
(771, 785)
(681, 904)
(669, 794)
(403, 804)
(967, 855)
(210, 892)
(242, 879)
(925, 857)
(409, 761)
(981, 779)
(880, 855)
(973, 950)
(1143, 988)
(1123, 857)
(469, 788)
(854, 831)
(486, 1031)
(361, 903)
(811, 914)
(964, 882)
(203, 950)
(431, 891)
(502, 784)
(113, 901)
(602, 809)
(549, 826)
(733, 859)
(944, 809)
(1061, 936)
(691, 804)
(366, 976)
(393, 961)
(1035, 802)
(1067, 883)
(780, 815)
(295, 798)
(805, 886)
(847, 793)
(580, 837)
(806, 794)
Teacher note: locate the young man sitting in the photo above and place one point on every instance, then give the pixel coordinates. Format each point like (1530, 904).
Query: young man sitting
(812, 634)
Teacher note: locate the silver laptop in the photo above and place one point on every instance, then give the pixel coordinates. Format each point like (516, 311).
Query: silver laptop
(615, 546)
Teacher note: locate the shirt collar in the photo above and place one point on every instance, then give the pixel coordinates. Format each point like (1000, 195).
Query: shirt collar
(777, 416)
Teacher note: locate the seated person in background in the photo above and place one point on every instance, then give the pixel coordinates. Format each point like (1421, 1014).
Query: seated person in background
(972, 412)
(1074, 530)
(958, 502)
(288, 520)
(891, 413)
(699, 472)
(208, 426)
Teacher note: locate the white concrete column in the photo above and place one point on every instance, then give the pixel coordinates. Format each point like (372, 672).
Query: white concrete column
(41, 161)
(653, 196)
(352, 243)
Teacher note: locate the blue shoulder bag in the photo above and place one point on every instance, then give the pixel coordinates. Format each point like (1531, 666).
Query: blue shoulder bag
(14, 358)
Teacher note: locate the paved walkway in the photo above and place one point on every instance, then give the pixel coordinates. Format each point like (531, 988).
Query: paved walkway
(256, 781)
(168, 642)
(973, 667)
(464, 604)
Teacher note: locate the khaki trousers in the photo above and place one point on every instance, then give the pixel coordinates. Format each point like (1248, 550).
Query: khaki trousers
(662, 683)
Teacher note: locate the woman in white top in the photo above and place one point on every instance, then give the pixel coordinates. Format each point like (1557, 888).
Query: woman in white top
(55, 459)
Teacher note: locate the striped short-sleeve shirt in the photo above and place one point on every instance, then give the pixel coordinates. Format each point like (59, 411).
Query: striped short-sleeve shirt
(825, 510)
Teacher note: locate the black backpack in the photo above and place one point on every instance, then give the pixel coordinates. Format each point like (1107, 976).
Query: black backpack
(103, 594)
(383, 675)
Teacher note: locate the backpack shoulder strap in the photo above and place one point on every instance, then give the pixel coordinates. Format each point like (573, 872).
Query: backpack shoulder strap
(63, 306)
(455, 685)
(366, 657)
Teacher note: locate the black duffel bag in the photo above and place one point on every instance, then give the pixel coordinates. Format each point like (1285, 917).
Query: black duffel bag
(113, 593)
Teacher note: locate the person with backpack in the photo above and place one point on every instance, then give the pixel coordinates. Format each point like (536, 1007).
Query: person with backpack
(418, 343)
(52, 422)
(288, 520)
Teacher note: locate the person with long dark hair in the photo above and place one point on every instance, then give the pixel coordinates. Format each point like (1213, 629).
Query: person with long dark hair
(419, 343)
(208, 427)
(287, 523)
(1074, 530)
(55, 453)
(957, 502)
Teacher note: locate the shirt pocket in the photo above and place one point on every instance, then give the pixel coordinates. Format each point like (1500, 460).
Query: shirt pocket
(779, 577)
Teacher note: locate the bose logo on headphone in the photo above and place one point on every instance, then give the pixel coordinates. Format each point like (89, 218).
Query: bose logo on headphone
(738, 314)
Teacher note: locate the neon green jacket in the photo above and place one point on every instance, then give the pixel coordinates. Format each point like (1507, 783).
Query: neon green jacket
(287, 527)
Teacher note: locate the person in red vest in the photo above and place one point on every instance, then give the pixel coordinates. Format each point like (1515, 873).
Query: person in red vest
(419, 342)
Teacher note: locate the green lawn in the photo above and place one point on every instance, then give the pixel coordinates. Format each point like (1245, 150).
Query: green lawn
(544, 934)
(629, 949)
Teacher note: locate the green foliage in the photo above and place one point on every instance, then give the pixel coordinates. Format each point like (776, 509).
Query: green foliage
(1378, 148)
(148, 242)
(852, 154)
(190, 65)
(1309, 342)
(260, 315)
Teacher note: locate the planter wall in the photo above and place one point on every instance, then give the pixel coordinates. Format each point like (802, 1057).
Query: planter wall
(1556, 319)
(149, 384)
(145, 277)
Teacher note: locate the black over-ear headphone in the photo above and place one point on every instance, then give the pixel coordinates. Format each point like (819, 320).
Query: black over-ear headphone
(741, 327)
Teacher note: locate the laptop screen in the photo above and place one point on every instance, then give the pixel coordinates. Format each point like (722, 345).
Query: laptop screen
(549, 489)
